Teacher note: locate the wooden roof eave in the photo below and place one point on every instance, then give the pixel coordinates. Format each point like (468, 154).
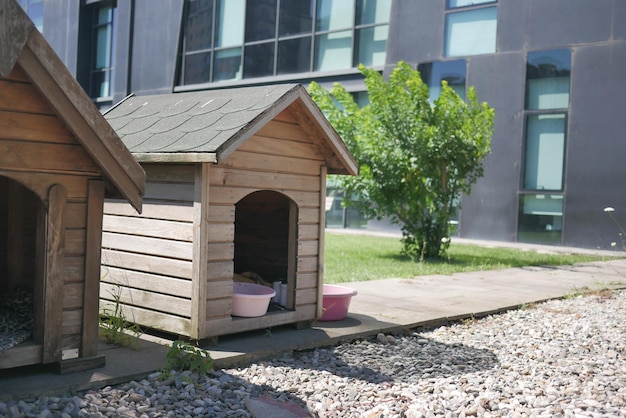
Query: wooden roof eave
(83, 119)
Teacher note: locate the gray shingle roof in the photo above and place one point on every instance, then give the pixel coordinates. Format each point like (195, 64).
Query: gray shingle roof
(198, 122)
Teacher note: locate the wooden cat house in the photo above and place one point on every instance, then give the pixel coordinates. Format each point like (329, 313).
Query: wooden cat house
(235, 183)
(59, 158)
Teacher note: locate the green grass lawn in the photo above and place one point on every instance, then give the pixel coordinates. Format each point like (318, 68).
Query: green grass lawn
(349, 258)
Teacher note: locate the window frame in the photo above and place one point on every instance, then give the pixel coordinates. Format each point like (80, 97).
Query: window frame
(450, 11)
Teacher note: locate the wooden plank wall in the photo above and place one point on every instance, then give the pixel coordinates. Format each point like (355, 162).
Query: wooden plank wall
(37, 151)
(280, 157)
(147, 258)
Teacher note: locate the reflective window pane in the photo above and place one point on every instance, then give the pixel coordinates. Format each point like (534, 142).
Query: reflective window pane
(260, 20)
(295, 17)
(471, 32)
(334, 14)
(199, 25)
(545, 152)
(333, 51)
(540, 219)
(371, 44)
(294, 56)
(372, 11)
(230, 16)
(548, 79)
(452, 4)
(453, 72)
(197, 68)
(227, 64)
(259, 60)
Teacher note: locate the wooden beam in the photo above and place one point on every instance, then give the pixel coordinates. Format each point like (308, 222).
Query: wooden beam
(200, 252)
(322, 234)
(91, 290)
(53, 287)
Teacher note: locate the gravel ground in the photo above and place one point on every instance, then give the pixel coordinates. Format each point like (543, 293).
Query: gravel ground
(560, 358)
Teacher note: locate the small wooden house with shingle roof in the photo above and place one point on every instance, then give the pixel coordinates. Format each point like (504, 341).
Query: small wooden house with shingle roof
(235, 182)
(58, 159)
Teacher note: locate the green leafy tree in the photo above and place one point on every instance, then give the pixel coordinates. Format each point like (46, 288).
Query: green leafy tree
(416, 157)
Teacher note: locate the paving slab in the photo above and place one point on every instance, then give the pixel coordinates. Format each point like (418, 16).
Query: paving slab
(389, 306)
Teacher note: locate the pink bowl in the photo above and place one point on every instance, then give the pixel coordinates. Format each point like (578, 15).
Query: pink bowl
(335, 302)
(251, 299)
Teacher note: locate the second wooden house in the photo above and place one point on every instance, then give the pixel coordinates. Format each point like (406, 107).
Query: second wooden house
(235, 182)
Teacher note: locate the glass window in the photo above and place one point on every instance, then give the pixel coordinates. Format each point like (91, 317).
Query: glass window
(453, 72)
(540, 219)
(197, 68)
(34, 10)
(453, 4)
(371, 44)
(230, 23)
(199, 25)
(294, 55)
(548, 79)
(103, 51)
(295, 17)
(334, 14)
(227, 64)
(545, 152)
(471, 32)
(260, 20)
(333, 51)
(259, 60)
(372, 11)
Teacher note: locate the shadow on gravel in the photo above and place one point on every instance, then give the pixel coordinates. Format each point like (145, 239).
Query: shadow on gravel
(388, 359)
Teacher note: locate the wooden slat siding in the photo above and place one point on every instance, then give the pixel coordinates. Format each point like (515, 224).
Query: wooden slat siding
(221, 251)
(176, 192)
(201, 250)
(307, 264)
(147, 245)
(93, 245)
(17, 74)
(221, 232)
(270, 163)
(72, 324)
(309, 215)
(76, 214)
(306, 296)
(307, 280)
(145, 281)
(40, 181)
(147, 300)
(284, 130)
(75, 242)
(174, 230)
(151, 209)
(224, 214)
(73, 296)
(220, 270)
(170, 173)
(41, 156)
(146, 263)
(247, 178)
(308, 248)
(259, 144)
(74, 269)
(157, 320)
(285, 116)
(29, 353)
(33, 127)
(53, 311)
(308, 231)
(219, 289)
(234, 194)
(22, 96)
(218, 308)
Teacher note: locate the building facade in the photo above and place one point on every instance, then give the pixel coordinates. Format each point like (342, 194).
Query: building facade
(554, 70)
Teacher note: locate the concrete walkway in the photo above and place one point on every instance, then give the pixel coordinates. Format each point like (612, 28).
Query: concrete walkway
(388, 306)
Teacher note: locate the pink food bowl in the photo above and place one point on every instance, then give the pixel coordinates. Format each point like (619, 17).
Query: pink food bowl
(335, 302)
(251, 299)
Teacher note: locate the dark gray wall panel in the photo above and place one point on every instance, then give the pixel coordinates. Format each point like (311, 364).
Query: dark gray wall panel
(125, 13)
(417, 34)
(512, 24)
(556, 23)
(596, 145)
(619, 19)
(60, 27)
(155, 46)
(490, 212)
